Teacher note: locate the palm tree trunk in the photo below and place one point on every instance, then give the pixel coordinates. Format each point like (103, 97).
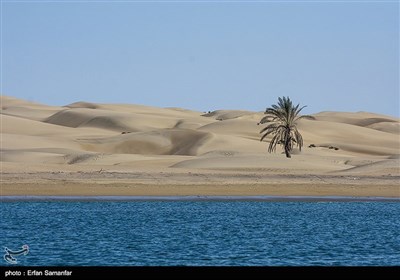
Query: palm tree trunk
(287, 143)
(287, 152)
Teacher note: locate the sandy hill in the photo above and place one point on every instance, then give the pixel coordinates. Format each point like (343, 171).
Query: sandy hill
(89, 136)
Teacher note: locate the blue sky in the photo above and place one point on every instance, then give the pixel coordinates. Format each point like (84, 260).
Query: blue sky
(329, 55)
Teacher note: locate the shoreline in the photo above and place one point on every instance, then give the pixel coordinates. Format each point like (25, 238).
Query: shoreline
(196, 199)
(215, 189)
(199, 183)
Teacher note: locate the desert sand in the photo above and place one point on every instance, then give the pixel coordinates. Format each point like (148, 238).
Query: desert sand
(122, 149)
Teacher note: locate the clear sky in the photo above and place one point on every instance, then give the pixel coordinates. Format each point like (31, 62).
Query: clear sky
(204, 55)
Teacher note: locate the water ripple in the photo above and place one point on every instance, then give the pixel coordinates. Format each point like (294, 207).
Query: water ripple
(203, 233)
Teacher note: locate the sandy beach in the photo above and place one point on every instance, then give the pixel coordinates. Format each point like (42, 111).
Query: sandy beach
(133, 150)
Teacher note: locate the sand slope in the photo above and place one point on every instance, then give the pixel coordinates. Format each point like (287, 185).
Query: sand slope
(89, 136)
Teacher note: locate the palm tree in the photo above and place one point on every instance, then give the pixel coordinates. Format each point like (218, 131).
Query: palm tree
(282, 120)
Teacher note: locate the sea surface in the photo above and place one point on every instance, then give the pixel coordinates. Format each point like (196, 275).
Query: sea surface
(202, 233)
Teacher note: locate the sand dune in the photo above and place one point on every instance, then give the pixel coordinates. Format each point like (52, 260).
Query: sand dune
(222, 115)
(390, 127)
(363, 119)
(229, 160)
(236, 127)
(137, 129)
(159, 142)
(351, 138)
(83, 104)
(383, 167)
(25, 109)
(83, 117)
(125, 137)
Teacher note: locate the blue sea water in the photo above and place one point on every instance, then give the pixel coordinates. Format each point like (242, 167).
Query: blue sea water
(202, 233)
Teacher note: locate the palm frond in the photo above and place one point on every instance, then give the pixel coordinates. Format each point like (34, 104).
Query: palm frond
(307, 117)
(272, 144)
